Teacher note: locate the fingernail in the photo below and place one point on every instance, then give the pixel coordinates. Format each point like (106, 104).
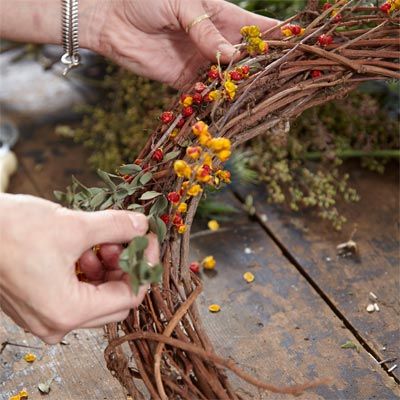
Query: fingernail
(139, 221)
(227, 50)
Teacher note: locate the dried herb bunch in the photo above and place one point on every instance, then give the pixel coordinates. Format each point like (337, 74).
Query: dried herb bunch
(350, 128)
(347, 43)
(120, 124)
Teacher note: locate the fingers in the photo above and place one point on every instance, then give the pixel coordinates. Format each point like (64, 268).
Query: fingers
(111, 226)
(91, 266)
(236, 17)
(107, 300)
(110, 253)
(204, 34)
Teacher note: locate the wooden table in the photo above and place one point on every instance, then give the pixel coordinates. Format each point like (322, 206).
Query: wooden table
(287, 326)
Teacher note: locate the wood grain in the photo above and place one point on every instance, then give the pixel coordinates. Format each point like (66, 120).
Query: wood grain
(347, 281)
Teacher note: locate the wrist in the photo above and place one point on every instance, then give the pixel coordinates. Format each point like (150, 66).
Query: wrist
(92, 15)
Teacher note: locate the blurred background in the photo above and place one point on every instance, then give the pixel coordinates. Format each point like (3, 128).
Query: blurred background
(106, 114)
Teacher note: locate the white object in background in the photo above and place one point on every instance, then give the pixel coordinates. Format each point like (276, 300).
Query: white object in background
(8, 166)
(8, 160)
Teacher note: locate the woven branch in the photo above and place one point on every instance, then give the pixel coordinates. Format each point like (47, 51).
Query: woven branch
(174, 357)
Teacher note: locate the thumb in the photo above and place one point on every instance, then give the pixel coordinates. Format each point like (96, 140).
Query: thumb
(204, 33)
(110, 226)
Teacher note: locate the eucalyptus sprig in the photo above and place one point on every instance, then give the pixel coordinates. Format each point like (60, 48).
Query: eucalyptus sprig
(133, 261)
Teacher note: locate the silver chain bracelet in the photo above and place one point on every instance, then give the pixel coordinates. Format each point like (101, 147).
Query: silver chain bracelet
(70, 38)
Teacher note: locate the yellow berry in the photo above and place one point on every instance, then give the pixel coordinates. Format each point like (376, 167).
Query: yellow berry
(213, 225)
(182, 208)
(209, 262)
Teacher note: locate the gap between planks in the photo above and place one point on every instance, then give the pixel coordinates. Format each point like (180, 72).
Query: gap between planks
(286, 253)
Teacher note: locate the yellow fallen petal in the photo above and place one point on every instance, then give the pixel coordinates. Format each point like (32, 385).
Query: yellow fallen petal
(248, 277)
(29, 357)
(209, 262)
(213, 225)
(23, 394)
(214, 308)
(16, 397)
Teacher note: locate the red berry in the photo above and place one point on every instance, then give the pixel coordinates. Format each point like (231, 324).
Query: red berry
(245, 69)
(165, 218)
(337, 18)
(199, 87)
(180, 123)
(316, 73)
(326, 6)
(127, 178)
(167, 117)
(385, 8)
(173, 197)
(206, 98)
(187, 111)
(296, 29)
(206, 168)
(194, 267)
(146, 167)
(325, 40)
(236, 75)
(213, 74)
(158, 155)
(138, 161)
(197, 98)
(177, 220)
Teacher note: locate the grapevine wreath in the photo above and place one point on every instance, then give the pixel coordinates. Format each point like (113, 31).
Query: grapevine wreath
(322, 55)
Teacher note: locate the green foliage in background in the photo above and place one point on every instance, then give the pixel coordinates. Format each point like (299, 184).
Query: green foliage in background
(116, 128)
(279, 9)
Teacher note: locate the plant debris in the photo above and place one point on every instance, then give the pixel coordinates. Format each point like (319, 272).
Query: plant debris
(350, 345)
(214, 308)
(248, 277)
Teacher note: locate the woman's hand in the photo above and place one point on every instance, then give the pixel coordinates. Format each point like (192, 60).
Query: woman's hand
(40, 243)
(146, 36)
(149, 37)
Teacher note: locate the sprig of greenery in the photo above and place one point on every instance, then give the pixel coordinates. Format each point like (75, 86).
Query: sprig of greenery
(114, 195)
(133, 262)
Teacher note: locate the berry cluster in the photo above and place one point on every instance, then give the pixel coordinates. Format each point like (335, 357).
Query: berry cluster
(292, 30)
(197, 170)
(255, 44)
(389, 6)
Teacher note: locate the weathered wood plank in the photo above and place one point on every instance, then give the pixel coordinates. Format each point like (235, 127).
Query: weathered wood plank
(78, 368)
(51, 160)
(348, 281)
(278, 327)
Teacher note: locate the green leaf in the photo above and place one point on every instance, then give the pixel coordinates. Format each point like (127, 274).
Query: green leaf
(136, 207)
(157, 225)
(149, 195)
(135, 284)
(350, 345)
(159, 206)
(156, 273)
(105, 177)
(60, 196)
(107, 204)
(129, 169)
(98, 199)
(145, 178)
(171, 155)
(141, 243)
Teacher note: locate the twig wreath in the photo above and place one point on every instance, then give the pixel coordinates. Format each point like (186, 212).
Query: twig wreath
(323, 54)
